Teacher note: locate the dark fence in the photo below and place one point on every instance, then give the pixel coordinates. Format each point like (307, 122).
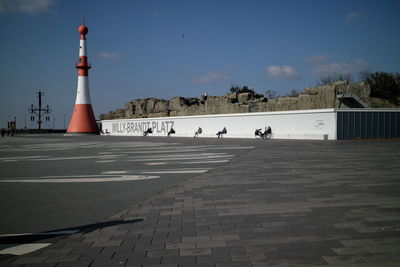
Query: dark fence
(36, 131)
(368, 124)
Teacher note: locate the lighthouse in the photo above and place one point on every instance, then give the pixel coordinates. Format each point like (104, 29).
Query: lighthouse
(83, 120)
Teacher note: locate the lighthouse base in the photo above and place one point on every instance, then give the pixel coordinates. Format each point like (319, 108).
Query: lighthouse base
(83, 121)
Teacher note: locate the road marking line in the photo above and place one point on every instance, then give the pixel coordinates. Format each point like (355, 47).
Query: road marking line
(156, 163)
(114, 172)
(179, 158)
(65, 158)
(232, 147)
(206, 161)
(171, 150)
(183, 171)
(185, 155)
(24, 248)
(13, 159)
(84, 180)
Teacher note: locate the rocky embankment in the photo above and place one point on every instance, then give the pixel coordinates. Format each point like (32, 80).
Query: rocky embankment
(311, 98)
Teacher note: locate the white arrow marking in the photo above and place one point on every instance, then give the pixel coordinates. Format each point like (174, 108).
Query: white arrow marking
(24, 248)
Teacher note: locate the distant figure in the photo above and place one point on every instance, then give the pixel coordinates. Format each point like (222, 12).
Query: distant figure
(3, 132)
(149, 130)
(268, 133)
(220, 133)
(199, 131)
(172, 131)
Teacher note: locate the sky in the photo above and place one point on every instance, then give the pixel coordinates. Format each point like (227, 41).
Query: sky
(167, 48)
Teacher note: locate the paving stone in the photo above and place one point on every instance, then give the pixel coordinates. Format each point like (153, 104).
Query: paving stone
(106, 263)
(77, 245)
(50, 264)
(195, 252)
(196, 238)
(55, 252)
(30, 260)
(179, 245)
(163, 252)
(159, 265)
(146, 247)
(105, 243)
(221, 257)
(178, 259)
(197, 265)
(211, 244)
(344, 259)
(79, 263)
(225, 237)
(234, 264)
(66, 258)
(247, 256)
(143, 260)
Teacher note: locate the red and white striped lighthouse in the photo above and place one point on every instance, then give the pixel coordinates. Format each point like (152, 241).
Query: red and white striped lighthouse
(83, 120)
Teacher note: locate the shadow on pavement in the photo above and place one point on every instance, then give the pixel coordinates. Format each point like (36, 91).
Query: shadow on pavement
(34, 237)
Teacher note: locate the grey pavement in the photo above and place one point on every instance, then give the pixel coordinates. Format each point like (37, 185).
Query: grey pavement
(272, 203)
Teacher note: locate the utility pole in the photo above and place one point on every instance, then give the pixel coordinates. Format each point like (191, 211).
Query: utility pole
(39, 111)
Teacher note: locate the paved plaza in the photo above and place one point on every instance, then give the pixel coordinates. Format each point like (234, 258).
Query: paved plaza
(137, 201)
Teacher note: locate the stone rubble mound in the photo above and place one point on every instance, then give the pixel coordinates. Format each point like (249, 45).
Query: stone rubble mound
(319, 97)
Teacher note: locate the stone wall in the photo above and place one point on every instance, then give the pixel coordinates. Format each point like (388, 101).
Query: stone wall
(320, 97)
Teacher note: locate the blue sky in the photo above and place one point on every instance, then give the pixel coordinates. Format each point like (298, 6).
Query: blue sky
(167, 48)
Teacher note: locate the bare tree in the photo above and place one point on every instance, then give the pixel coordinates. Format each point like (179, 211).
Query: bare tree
(364, 75)
(235, 89)
(294, 93)
(335, 77)
(270, 94)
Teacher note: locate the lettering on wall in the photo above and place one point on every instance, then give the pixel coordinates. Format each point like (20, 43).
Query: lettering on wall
(138, 127)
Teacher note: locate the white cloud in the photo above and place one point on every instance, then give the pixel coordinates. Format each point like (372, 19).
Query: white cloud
(25, 6)
(352, 16)
(210, 78)
(111, 56)
(282, 73)
(341, 67)
(316, 59)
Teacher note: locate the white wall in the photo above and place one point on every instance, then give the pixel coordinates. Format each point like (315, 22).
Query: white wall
(299, 124)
